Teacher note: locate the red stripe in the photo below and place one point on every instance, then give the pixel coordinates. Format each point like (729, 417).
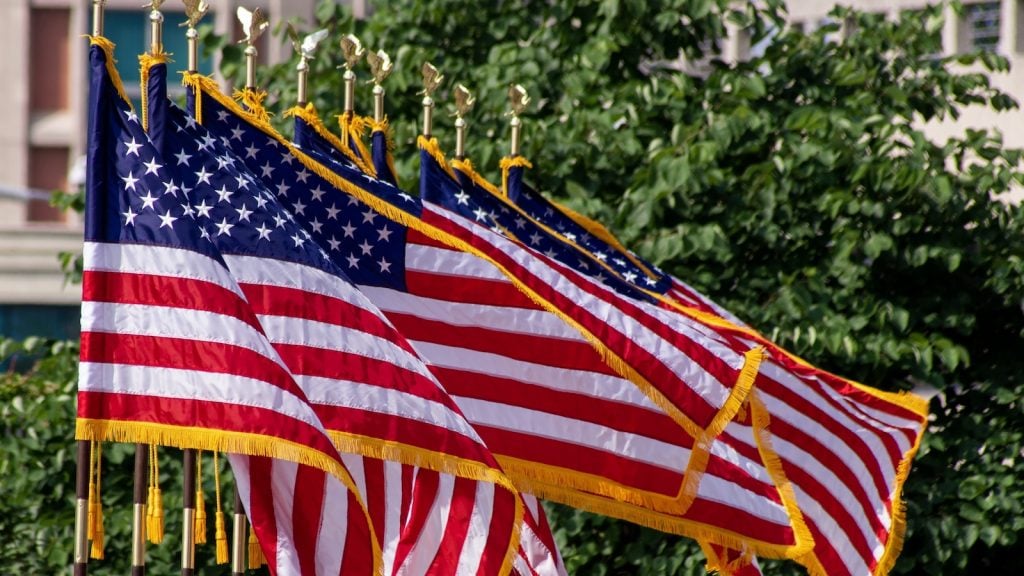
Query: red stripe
(185, 354)
(410, 474)
(202, 414)
(376, 494)
(262, 515)
(461, 509)
(827, 555)
(466, 289)
(727, 517)
(165, 291)
(358, 556)
(500, 532)
(307, 511)
(424, 498)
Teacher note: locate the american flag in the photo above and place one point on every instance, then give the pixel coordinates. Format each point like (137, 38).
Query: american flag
(373, 394)
(172, 352)
(845, 448)
(467, 325)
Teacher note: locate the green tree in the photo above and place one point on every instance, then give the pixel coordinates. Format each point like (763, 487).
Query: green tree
(797, 188)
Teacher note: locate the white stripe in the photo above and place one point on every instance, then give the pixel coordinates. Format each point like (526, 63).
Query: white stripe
(330, 539)
(499, 318)
(283, 482)
(183, 323)
(392, 512)
(833, 533)
(477, 532)
(304, 332)
(600, 437)
(383, 400)
(156, 261)
(535, 553)
(448, 262)
(354, 463)
(193, 385)
(744, 434)
(723, 491)
(430, 537)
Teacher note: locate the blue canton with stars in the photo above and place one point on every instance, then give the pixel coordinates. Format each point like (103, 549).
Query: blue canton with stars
(368, 247)
(481, 206)
(541, 209)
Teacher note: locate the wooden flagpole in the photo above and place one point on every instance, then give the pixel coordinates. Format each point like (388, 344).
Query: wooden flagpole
(139, 510)
(82, 509)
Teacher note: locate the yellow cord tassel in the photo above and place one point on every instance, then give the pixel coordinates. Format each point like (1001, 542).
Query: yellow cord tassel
(96, 507)
(256, 558)
(200, 501)
(221, 533)
(155, 501)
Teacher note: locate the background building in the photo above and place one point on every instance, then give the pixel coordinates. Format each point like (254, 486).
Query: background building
(43, 119)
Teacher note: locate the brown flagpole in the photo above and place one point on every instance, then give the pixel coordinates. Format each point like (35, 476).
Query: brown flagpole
(81, 558)
(139, 510)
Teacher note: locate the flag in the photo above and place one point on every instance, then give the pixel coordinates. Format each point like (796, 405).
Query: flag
(461, 312)
(381, 145)
(374, 395)
(172, 352)
(844, 448)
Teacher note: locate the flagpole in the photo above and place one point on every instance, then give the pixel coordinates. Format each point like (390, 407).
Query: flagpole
(431, 81)
(254, 24)
(238, 538)
(518, 99)
(194, 12)
(82, 508)
(188, 529)
(139, 511)
(156, 28)
(352, 49)
(97, 17)
(380, 67)
(464, 101)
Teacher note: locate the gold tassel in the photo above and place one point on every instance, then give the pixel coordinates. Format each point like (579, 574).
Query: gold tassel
(91, 522)
(256, 558)
(96, 508)
(200, 501)
(221, 534)
(155, 504)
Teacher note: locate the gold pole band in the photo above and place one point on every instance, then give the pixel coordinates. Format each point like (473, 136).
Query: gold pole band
(81, 530)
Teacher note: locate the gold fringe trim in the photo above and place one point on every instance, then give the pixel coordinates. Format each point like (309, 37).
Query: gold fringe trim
(353, 128)
(717, 563)
(466, 167)
(804, 540)
(253, 102)
(399, 216)
(108, 48)
(601, 232)
(309, 115)
(389, 142)
(146, 62)
(430, 146)
(899, 508)
(507, 164)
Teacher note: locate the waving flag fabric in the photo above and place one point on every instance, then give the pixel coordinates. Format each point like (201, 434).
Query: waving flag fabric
(374, 396)
(843, 447)
(172, 352)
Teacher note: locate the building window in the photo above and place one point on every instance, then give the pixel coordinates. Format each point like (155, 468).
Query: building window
(49, 58)
(983, 26)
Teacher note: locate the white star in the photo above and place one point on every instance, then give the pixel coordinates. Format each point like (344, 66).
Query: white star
(287, 158)
(368, 177)
(365, 247)
(237, 133)
(282, 189)
(385, 266)
(462, 198)
(148, 200)
(480, 214)
(406, 197)
(535, 238)
(302, 176)
(349, 230)
(601, 256)
(129, 181)
(223, 161)
(203, 176)
(208, 142)
(251, 151)
(317, 225)
(630, 277)
(133, 147)
(299, 207)
(129, 217)
(619, 261)
(191, 121)
(317, 192)
(223, 227)
(132, 116)
(152, 166)
(334, 242)
(299, 240)
(384, 234)
(204, 233)
(222, 115)
(182, 157)
(203, 210)
(171, 188)
(167, 220)
(243, 184)
(601, 278)
(353, 261)
(186, 210)
(264, 232)
(368, 216)
(243, 212)
(353, 201)
(224, 195)
(570, 236)
(551, 254)
(279, 221)
(267, 169)
(650, 281)
(549, 212)
(332, 212)
(261, 201)
(520, 222)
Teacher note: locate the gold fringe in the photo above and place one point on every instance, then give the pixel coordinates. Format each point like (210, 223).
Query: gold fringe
(507, 164)
(466, 167)
(115, 77)
(353, 127)
(899, 508)
(253, 101)
(309, 115)
(602, 233)
(200, 532)
(430, 146)
(220, 532)
(256, 558)
(146, 62)
(389, 142)
(395, 214)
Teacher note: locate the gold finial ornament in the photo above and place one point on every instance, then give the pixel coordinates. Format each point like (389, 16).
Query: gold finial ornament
(518, 101)
(194, 12)
(431, 82)
(464, 101)
(380, 68)
(352, 50)
(254, 24)
(305, 48)
(97, 17)
(156, 27)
